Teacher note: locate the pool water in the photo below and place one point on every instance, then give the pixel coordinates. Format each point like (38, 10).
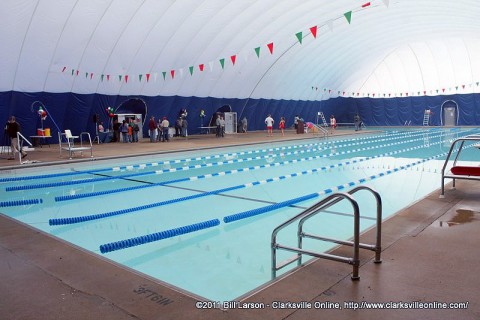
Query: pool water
(177, 202)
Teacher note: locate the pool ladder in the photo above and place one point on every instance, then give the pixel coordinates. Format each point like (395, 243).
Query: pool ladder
(311, 212)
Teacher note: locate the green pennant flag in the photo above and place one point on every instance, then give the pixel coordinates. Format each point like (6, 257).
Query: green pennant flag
(73, 71)
(120, 77)
(101, 77)
(348, 16)
(86, 74)
(140, 77)
(299, 36)
(222, 62)
(477, 83)
(191, 70)
(456, 88)
(164, 73)
(257, 51)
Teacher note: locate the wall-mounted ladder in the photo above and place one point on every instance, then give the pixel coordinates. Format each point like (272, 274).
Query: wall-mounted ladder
(322, 117)
(314, 210)
(426, 118)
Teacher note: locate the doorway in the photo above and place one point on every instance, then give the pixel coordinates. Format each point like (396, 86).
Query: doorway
(450, 113)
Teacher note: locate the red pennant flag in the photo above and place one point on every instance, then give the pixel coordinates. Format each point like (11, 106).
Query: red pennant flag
(172, 73)
(313, 30)
(108, 77)
(77, 72)
(148, 76)
(329, 91)
(443, 89)
(201, 66)
(389, 94)
(270, 47)
(63, 70)
(233, 58)
(424, 92)
(374, 95)
(406, 94)
(463, 86)
(343, 92)
(91, 75)
(365, 5)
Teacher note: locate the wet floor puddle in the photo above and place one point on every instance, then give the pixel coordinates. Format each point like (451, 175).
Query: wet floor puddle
(462, 216)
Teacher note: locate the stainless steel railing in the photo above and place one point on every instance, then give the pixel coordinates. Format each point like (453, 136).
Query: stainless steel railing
(308, 213)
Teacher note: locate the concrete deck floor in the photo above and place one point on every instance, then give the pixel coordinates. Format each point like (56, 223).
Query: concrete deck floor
(430, 254)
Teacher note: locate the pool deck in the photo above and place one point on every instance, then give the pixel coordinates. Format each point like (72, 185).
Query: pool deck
(429, 252)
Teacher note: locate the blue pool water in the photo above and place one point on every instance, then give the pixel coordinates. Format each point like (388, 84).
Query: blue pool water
(181, 205)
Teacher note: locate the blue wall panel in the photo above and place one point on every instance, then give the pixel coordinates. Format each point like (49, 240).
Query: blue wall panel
(75, 111)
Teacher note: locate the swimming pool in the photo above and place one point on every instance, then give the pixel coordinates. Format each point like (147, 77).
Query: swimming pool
(178, 204)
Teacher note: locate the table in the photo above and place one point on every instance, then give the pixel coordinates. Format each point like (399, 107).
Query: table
(207, 129)
(36, 140)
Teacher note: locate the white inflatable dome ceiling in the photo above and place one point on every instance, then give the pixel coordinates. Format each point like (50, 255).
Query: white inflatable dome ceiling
(273, 49)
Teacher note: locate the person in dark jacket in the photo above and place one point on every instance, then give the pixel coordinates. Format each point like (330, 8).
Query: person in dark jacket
(12, 128)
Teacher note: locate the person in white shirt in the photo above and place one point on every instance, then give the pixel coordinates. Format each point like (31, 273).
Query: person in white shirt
(164, 125)
(333, 124)
(269, 122)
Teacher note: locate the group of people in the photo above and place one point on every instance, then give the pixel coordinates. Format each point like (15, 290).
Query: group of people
(158, 131)
(128, 130)
(281, 125)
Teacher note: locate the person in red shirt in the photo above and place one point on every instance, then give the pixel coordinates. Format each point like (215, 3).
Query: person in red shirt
(152, 128)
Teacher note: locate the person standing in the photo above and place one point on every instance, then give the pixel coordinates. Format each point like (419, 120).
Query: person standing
(184, 126)
(281, 126)
(244, 124)
(165, 124)
(130, 130)
(357, 122)
(269, 122)
(222, 126)
(124, 131)
(136, 129)
(219, 126)
(12, 128)
(295, 122)
(178, 127)
(333, 124)
(152, 128)
(116, 130)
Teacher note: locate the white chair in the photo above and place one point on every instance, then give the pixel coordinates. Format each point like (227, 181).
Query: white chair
(71, 148)
(71, 138)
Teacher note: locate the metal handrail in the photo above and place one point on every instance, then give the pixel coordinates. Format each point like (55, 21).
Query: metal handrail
(71, 144)
(321, 129)
(315, 209)
(474, 137)
(20, 145)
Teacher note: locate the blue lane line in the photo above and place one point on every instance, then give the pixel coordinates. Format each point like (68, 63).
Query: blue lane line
(72, 220)
(153, 164)
(24, 202)
(127, 243)
(126, 189)
(91, 180)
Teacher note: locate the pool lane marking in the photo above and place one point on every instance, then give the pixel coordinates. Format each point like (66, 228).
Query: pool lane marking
(90, 180)
(198, 166)
(153, 164)
(127, 243)
(78, 219)
(235, 171)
